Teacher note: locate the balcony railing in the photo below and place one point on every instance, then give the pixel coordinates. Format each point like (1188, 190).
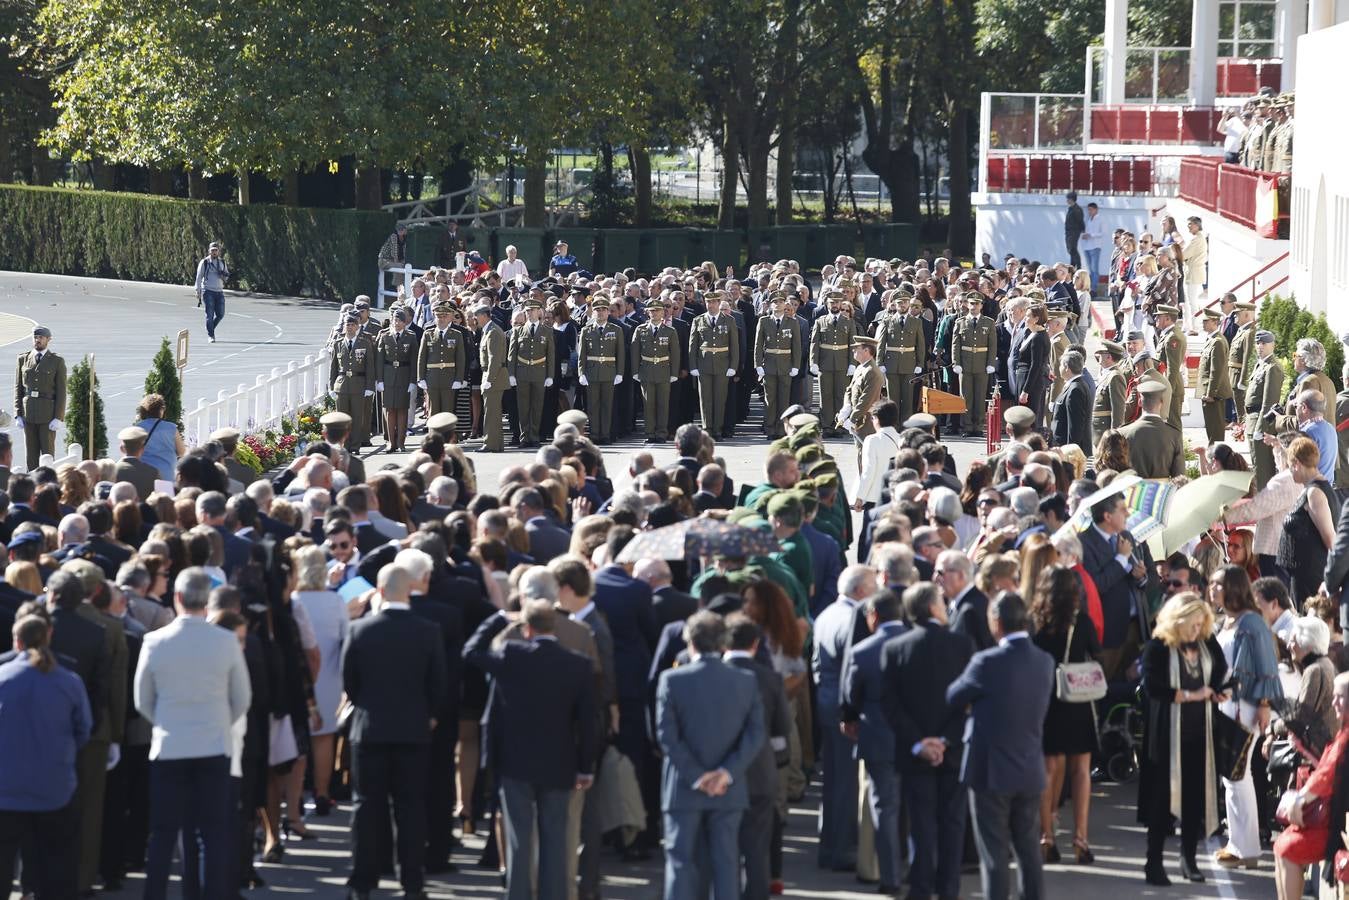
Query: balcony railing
(1137, 124)
(1085, 174)
(1239, 77)
(1235, 193)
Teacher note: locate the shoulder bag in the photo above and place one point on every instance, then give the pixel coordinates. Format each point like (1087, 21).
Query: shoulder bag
(1082, 682)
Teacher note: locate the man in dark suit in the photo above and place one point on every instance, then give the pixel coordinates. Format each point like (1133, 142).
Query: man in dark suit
(99, 516)
(393, 671)
(357, 499)
(130, 468)
(211, 509)
(544, 697)
(626, 603)
(709, 722)
(756, 828)
(668, 604)
(966, 605)
(1119, 568)
(916, 669)
(863, 716)
(1007, 690)
(546, 540)
(1071, 422)
(21, 490)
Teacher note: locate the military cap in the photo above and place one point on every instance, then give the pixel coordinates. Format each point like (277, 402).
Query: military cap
(805, 486)
(777, 297)
(741, 516)
(1034, 294)
(806, 496)
(481, 309)
(714, 295)
(573, 417)
(920, 420)
(784, 502)
(655, 303)
(825, 480)
(89, 574)
(1136, 336)
(1211, 313)
(821, 465)
(906, 289)
(362, 302)
(335, 418)
(597, 303)
(28, 537)
(135, 433)
(804, 435)
(1058, 314)
(791, 411)
(808, 452)
(442, 307)
(804, 420)
(1152, 387)
(1264, 337)
(830, 296)
(442, 422)
(1244, 306)
(972, 297)
(1020, 416)
(865, 340)
(1164, 309)
(531, 303)
(1114, 348)
(220, 434)
(729, 602)
(400, 313)
(760, 504)
(351, 319)
(42, 331)
(1143, 354)
(779, 446)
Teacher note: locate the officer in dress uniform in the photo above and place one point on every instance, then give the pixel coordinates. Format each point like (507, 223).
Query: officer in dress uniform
(863, 391)
(831, 359)
(714, 350)
(1171, 341)
(1140, 369)
(777, 344)
(442, 360)
(1156, 447)
(1262, 395)
(1240, 356)
(600, 363)
(1215, 385)
(903, 351)
(531, 370)
(351, 379)
(492, 355)
(395, 359)
(1056, 326)
(39, 396)
(975, 351)
(655, 366)
(369, 326)
(1107, 408)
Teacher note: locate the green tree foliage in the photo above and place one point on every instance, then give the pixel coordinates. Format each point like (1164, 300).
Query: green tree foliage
(81, 389)
(1289, 323)
(163, 379)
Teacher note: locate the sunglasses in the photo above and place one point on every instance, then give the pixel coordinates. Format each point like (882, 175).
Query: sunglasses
(988, 503)
(345, 545)
(1175, 583)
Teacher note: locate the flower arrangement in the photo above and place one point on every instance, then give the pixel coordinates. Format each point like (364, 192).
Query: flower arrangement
(263, 451)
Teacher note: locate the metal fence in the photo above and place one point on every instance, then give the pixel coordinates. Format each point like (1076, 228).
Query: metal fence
(262, 405)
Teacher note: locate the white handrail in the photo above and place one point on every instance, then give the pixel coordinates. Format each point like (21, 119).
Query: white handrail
(263, 405)
(73, 454)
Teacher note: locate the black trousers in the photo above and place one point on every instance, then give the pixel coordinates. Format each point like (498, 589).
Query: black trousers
(190, 796)
(440, 790)
(1161, 822)
(51, 842)
(380, 772)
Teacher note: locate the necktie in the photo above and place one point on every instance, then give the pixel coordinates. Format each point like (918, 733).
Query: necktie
(1114, 544)
(351, 346)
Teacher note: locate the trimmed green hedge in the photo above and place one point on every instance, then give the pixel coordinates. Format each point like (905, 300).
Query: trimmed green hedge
(271, 249)
(1289, 323)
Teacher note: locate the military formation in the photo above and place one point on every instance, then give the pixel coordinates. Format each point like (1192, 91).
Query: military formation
(1267, 144)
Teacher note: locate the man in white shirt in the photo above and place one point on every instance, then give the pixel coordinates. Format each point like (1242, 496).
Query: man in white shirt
(1091, 242)
(1233, 129)
(512, 268)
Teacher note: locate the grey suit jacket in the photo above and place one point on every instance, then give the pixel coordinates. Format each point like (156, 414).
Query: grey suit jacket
(863, 686)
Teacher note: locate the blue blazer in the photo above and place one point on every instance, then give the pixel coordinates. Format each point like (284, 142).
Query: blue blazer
(237, 550)
(828, 566)
(546, 540)
(863, 685)
(626, 603)
(1007, 689)
(833, 637)
(709, 716)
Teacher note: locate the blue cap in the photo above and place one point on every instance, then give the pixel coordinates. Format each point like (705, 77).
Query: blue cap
(28, 537)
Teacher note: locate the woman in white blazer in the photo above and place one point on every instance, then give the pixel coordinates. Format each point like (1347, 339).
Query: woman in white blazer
(878, 452)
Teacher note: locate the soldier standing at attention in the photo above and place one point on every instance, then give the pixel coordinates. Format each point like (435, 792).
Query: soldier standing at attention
(1240, 355)
(777, 344)
(40, 396)
(655, 366)
(903, 350)
(863, 391)
(1056, 326)
(212, 273)
(1171, 340)
(975, 351)
(395, 358)
(442, 360)
(351, 379)
(1156, 447)
(1215, 387)
(714, 349)
(600, 365)
(830, 359)
(1261, 396)
(1107, 409)
(492, 353)
(369, 327)
(1140, 370)
(531, 370)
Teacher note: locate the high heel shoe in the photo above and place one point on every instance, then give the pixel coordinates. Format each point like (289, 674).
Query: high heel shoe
(295, 830)
(1154, 874)
(1189, 869)
(275, 854)
(1049, 850)
(1083, 852)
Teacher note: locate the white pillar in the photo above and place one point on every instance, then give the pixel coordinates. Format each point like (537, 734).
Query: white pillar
(1290, 23)
(1322, 14)
(1204, 52)
(1116, 44)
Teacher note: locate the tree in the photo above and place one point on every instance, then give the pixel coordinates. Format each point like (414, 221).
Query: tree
(81, 390)
(163, 379)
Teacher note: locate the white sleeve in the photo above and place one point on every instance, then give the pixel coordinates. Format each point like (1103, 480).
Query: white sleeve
(867, 488)
(308, 640)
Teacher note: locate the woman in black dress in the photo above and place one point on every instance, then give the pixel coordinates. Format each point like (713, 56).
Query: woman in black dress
(1065, 632)
(1309, 528)
(1032, 363)
(565, 337)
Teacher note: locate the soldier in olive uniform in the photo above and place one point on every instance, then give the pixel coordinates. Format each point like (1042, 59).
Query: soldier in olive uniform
(777, 344)
(1056, 326)
(492, 354)
(39, 396)
(1139, 369)
(351, 379)
(1240, 356)
(1215, 387)
(863, 391)
(600, 364)
(395, 359)
(975, 351)
(903, 351)
(1262, 395)
(831, 360)
(1171, 345)
(531, 370)
(1107, 408)
(714, 354)
(1156, 447)
(655, 366)
(442, 360)
(369, 326)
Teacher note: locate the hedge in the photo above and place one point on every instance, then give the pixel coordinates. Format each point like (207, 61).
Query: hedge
(1289, 323)
(271, 249)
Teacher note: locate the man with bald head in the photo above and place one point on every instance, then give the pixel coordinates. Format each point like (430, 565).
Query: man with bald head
(668, 603)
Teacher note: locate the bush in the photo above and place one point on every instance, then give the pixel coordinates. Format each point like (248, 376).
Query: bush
(1289, 323)
(163, 379)
(272, 249)
(78, 394)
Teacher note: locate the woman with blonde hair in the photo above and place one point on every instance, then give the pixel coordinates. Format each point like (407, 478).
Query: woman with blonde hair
(1037, 555)
(24, 576)
(1183, 669)
(327, 614)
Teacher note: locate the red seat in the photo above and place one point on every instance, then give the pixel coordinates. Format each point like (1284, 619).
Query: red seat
(1133, 126)
(1038, 174)
(1119, 175)
(1196, 126)
(997, 173)
(1104, 124)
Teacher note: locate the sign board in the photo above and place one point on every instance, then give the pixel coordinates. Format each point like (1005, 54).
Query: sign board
(182, 349)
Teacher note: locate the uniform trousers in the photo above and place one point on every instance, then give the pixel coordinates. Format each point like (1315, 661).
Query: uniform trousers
(529, 406)
(656, 406)
(1215, 419)
(776, 395)
(832, 387)
(491, 418)
(39, 439)
(974, 390)
(712, 401)
(1262, 455)
(600, 405)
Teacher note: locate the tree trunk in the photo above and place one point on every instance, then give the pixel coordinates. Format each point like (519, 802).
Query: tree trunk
(245, 189)
(536, 188)
(160, 182)
(786, 158)
(196, 185)
(457, 176)
(901, 180)
(369, 191)
(756, 165)
(291, 188)
(639, 160)
(730, 173)
(958, 230)
(102, 175)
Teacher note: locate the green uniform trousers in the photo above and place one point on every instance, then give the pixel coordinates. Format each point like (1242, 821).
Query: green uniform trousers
(529, 407)
(1215, 419)
(39, 439)
(491, 416)
(833, 386)
(656, 406)
(440, 399)
(355, 404)
(1262, 455)
(901, 391)
(712, 401)
(600, 399)
(777, 391)
(974, 390)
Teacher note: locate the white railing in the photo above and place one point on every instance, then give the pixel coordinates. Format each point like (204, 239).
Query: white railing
(401, 276)
(73, 454)
(264, 404)
(478, 211)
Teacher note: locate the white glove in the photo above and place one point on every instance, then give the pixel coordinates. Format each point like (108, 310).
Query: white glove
(991, 370)
(420, 384)
(547, 382)
(852, 369)
(730, 373)
(882, 370)
(693, 372)
(918, 370)
(957, 370)
(759, 369)
(332, 395)
(55, 424)
(815, 370)
(412, 390)
(673, 379)
(793, 372)
(636, 376)
(487, 385)
(585, 382)
(114, 756)
(456, 385)
(379, 385)
(512, 381)
(369, 393)
(18, 420)
(617, 380)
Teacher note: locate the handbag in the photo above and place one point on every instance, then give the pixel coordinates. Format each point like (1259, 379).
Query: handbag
(1231, 746)
(1082, 682)
(1315, 811)
(1284, 761)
